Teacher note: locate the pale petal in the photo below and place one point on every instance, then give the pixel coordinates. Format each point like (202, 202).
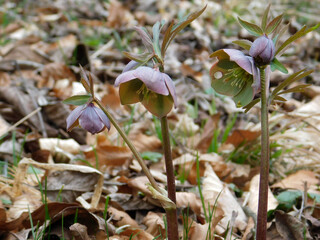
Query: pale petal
(240, 58)
(171, 88)
(90, 121)
(152, 79)
(73, 117)
(130, 66)
(125, 77)
(105, 120)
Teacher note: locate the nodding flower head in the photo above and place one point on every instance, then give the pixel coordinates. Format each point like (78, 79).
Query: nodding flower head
(154, 89)
(262, 50)
(235, 75)
(89, 117)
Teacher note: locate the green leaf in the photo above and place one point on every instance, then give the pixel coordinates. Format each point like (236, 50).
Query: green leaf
(292, 78)
(156, 35)
(251, 27)
(275, 64)
(251, 104)
(273, 24)
(139, 57)
(303, 31)
(288, 198)
(299, 88)
(315, 196)
(265, 18)
(172, 31)
(245, 44)
(279, 98)
(77, 100)
(151, 156)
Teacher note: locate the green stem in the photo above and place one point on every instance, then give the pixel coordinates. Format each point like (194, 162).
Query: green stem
(172, 218)
(130, 145)
(264, 165)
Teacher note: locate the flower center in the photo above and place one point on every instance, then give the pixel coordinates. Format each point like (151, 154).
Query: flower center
(237, 76)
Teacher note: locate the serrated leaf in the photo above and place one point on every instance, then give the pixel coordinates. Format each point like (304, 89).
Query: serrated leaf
(145, 37)
(139, 57)
(156, 36)
(172, 31)
(273, 24)
(77, 100)
(275, 64)
(292, 78)
(251, 27)
(299, 88)
(279, 98)
(265, 18)
(245, 44)
(251, 104)
(303, 31)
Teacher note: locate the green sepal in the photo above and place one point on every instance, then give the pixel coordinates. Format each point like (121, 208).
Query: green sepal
(173, 30)
(251, 27)
(277, 65)
(244, 43)
(77, 100)
(245, 96)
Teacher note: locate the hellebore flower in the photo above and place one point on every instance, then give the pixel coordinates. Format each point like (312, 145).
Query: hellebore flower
(154, 89)
(235, 75)
(89, 117)
(262, 50)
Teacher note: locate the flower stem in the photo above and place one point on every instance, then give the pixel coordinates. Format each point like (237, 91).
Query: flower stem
(130, 145)
(261, 233)
(172, 219)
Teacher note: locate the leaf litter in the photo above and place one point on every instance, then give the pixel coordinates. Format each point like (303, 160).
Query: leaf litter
(56, 183)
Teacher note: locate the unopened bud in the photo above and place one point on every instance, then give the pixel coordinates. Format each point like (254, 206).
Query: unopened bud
(262, 50)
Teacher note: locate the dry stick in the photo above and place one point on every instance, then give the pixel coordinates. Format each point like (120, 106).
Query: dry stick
(172, 219)
(21, 121)
(130, 145)
(261, 233)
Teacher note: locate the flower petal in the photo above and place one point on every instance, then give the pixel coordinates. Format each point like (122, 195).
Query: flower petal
(124, 77)
(130, 66)
(105, 120)
(240, 58)
(153, 79)
(128, 92)
(158, 104)
(171, 87)
(219, 83)
(72, 119)
(90, 121)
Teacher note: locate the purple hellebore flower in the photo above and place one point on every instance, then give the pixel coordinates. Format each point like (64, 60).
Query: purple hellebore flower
(89, 117)
(262, 50)
(235, 74)
(154, 89)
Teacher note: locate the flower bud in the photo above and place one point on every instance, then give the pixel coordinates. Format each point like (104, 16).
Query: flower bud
(262, 50)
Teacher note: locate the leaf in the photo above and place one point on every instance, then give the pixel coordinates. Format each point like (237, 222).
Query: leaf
(292, 78)
(156, 35)
(299, 88)
(152, 156)
(251, 27)
(265, 18)
(245, 44)
(172, 31)
(77, 100)
(303, 31)
(275, 64)
(274, 24)
(251, 105)
(288, 198)
(139, 57)
(145, 37)
(279, 98)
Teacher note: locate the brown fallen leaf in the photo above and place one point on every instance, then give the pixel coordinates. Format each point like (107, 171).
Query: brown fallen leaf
(289, 227)
(155, 224)
(79, 231)
(239, 136)
(121, 218)
(297, 180)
